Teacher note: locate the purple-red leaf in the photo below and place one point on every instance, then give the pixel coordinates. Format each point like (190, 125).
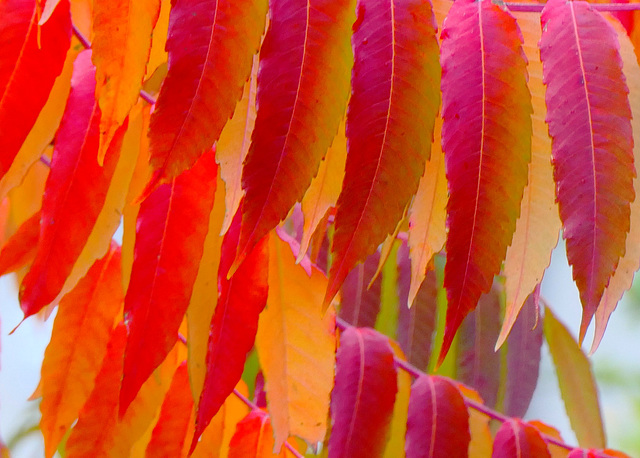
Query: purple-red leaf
(438, 422)
(363, 395)
(517, 439)
(210, 45)
(360, 303)
(394, 101)
(76, 185)
(486, 138)
(303, 86)
(32, 57)
(241, 298)
(590, 123)
(171, 227)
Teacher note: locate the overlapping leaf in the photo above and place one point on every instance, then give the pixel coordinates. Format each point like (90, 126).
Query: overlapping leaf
(486, 137)
(210, 46)
(21, 248)
(394, 101)
(32, 58)
(516, 438)
(303, 85)
(85, 315)
(363, 395)
(254, 437)
(590, 124)
(293, 337)
(360, 296)
(241, 298)
(171, 228)
(398, 428)
(539, 224)
(438, 423)
(121, 42)
(76, 185)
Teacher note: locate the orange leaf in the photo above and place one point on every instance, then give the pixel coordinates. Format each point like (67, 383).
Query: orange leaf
(254, 437)
(21, 248)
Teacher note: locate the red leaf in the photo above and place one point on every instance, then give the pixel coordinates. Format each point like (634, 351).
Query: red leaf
(21, 248)
(303, 86)
(438, 422)
(486, 137)
(234, 324)
(254, 437)
(76, 185)
(516, 439)
(590, 123)
(31, 59)
(171, 227)
(363, 395)
(394, 101)
(594, 453)
(360, 304)
(169, 432)
(210, 45)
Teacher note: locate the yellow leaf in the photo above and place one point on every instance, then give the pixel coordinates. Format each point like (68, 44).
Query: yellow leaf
(554, 450)
(395, 444)
(428, 214)
(158, 55)
(481, 440)
(539, 224)
(292, 337)
(121, 44)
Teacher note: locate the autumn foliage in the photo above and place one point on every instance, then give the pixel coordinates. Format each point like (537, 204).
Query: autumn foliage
(323, 204)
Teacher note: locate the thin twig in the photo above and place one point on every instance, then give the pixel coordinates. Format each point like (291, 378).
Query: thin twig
(415, 372)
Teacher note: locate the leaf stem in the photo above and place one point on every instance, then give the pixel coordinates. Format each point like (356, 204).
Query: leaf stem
(415, 372)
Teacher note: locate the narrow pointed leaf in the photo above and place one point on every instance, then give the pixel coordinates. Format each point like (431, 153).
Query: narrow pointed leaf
(32, 58)
(85, 315)
(427, 215)
(21, 248)
(592, 153)
(292, 337)
(254, 437)
(486, 137)
(394, 101)
(303, 86)
(520, 440)
(76, 185)
(523, 359)
(438, 423)
(360, 299)
(630, 262)
(363, 395)
(206, 39)
(121, 41)
(233, 329)
(171, 228)
(169, 432)
(576, 381)
(539, 223)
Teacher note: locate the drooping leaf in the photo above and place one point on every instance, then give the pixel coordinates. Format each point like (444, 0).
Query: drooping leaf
(171, 228)
(549, 431)
(398, 429)
(76, 185)
(539, 223)
(32, 58)
(363, 395)
(210, 44)
(516, 438)
(438, 423)
(293, 336)
(481, 437)
(478, 365)
(78, 345)
(523, 359)
(21, 248)
(394, 101)
(233, 145)
(303, 86)
(360, 299)
(630, 262)
(427, 215)
(254, 437)
(416, 325)
(324, 189)
(592, 154)
(577, 385)
(241, 298)
(157, 53)
(169, 432)
(121, 42)
(486, 137)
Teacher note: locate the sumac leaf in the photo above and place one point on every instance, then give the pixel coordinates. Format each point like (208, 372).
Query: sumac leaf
(516, 438)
